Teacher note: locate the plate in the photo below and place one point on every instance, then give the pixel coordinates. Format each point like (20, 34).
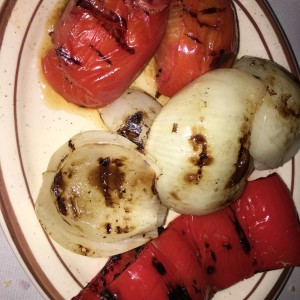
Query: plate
(34, 122)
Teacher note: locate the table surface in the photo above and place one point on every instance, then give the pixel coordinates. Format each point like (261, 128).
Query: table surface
(14, 282)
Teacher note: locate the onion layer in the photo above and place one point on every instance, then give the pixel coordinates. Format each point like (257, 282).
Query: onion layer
(98, 196)
(200, 139)
(275, 137)
(131, 115)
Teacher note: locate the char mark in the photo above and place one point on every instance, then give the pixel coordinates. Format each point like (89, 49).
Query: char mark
(62, 53)
(159, 266)
(179, 293)
(241, 234)
(110, 21)
(57, 189)
(212, 10)
(193, 38)
(100, 54)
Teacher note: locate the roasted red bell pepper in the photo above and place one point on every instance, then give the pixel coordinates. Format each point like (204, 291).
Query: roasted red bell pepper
(196, 256)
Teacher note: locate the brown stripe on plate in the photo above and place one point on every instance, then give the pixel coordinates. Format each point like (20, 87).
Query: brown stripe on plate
(5, 12)
(284, 276)
(255, 286)
(7, 210)
(260, 34)
(19, 148)
(283, 40)
(293, 65)
(21, 244)
(5, 204)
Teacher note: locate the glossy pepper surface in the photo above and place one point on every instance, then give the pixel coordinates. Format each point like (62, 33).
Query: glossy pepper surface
(196, 256)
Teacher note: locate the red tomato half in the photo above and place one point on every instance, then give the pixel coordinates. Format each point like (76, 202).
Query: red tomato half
(200, 36)
(101, 46)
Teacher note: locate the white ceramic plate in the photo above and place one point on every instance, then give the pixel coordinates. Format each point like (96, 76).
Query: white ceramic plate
(33, 126)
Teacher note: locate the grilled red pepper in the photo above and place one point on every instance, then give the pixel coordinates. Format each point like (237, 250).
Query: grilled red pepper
(198, 255)
(200, 36)
(101, 46)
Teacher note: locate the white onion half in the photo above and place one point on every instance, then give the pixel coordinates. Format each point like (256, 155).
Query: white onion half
(200, 139)
(275, 135)
(98, 196)
(131, 115)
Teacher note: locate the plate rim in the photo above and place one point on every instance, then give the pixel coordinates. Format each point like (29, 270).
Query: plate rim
(14, 232)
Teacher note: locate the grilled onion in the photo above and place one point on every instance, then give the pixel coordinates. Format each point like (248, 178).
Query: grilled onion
(131, 115)
(98, 196)
(201, 138)
(275, 137)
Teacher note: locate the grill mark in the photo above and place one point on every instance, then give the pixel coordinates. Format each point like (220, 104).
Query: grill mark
(112, 23)
(158, 266)
(210, 270)
(194, 15)
(241, 234)
(199, 144)
(212, 10)
(283, 108)
(214, 27)
(57, 188)
(100, 54)
(7, 209)
(62, 53)
(106, 294)
(187, 10)
(193, 38)
(179, 292)
(71, 145)
(241, 166)
(132, 128)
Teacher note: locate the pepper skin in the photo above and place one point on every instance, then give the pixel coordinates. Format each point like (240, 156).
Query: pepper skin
(196, 256)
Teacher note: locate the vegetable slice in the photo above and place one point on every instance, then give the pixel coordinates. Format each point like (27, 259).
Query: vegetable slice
(98, 196)
(101, 46)
(275, 137)
(131, 115)
(249, 236)
(200, 36)
(200, 140)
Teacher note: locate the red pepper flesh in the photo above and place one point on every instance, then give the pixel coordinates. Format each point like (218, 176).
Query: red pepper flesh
(196, 256)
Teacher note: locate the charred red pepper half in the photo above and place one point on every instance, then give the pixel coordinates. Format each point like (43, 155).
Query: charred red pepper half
(196, 256)
(100, 46)
(200, 36)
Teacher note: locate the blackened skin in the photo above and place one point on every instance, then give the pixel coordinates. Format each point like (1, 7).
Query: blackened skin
(108, 177)
(113, 23)
(71, 145)
(241, 167)
(179, 293)
(241, 234)
(100, 54)
(210, 270)
(106, 295)
(61, 52)
(159, 266)
(57, 188)
(132, 128)
(212, 10)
